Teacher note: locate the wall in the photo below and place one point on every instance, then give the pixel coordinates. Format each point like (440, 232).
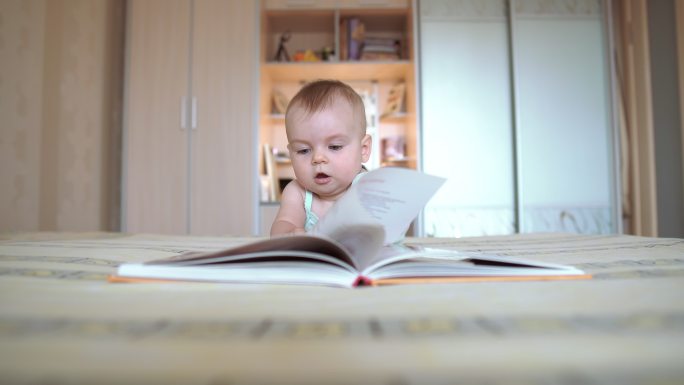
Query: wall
(61, 76)
(666, 118)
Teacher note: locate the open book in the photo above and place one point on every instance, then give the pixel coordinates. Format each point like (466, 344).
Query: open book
(358, 242)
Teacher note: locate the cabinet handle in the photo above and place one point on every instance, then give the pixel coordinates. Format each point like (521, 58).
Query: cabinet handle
(183, 114)
(194, 113)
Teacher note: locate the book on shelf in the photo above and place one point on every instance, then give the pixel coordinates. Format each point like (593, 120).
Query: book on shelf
(355, 37)
(356, 43)
(381, 49)
(344, 39)
(359, 242)
(382, 42)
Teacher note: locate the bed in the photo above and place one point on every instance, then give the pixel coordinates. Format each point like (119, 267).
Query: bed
(61, 322)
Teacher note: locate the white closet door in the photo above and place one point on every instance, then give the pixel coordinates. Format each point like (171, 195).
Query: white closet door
(155, 145)
(524, 137)
(222, 195)
(466, 117)
(564, 117)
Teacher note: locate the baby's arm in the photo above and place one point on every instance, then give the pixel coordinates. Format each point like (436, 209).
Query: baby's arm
(291, 216)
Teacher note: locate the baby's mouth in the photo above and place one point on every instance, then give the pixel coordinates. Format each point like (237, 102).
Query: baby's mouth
(321, 177)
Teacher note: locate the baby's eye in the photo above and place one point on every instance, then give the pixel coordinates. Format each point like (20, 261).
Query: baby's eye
(335, 147)
(303, 151)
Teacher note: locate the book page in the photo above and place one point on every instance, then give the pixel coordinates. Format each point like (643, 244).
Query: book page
(391, 197)
(395, 196)
(283, 248)
(377, 210)
(348, 223)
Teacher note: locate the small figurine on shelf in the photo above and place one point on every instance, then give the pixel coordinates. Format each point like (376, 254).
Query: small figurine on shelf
(282, 54)
(308, 55)
(328, 54)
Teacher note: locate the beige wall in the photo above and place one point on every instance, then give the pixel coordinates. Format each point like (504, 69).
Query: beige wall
(60, 101)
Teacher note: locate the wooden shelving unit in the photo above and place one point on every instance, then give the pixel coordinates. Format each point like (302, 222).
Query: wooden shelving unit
(319, 27)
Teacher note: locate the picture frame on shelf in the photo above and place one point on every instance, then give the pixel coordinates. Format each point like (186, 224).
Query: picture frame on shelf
(393, 148)
(395, 100)
(271, 172)
(280, 102)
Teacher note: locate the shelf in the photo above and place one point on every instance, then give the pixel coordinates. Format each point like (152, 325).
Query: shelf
(399, 117)
(352, 70)
(334, 4)
(276, 118)
(408, 162)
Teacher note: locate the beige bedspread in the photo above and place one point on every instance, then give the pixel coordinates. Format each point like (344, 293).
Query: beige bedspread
(61, 322)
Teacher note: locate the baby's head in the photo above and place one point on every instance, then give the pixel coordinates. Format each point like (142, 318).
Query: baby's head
(321, 95)
(326, 131)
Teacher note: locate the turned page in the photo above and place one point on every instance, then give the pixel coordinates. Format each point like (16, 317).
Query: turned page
(378, 209)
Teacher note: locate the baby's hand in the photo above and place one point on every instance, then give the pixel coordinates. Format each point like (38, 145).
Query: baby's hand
(288, 232)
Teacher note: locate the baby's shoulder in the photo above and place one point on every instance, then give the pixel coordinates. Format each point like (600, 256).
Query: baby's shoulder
(293, 190)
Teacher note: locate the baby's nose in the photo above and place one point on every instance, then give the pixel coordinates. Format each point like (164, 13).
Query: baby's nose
(319, 157)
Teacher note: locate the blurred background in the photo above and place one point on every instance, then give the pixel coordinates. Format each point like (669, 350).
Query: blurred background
(166, 116)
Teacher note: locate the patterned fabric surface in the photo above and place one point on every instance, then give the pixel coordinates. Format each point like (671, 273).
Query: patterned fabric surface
(62, 322)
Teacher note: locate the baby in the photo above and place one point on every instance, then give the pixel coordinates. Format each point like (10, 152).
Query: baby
(326, 131)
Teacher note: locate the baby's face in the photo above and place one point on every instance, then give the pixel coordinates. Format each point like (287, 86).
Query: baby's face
(327, 148)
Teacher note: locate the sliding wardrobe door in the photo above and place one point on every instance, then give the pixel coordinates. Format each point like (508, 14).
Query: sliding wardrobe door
(564, 122)
(516, 113)
(466, 117)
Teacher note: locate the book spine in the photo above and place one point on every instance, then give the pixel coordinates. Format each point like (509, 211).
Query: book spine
(362, 281)
(344, 40)
(354, 30)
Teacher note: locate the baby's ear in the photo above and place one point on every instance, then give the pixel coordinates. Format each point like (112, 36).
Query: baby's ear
(366, 148)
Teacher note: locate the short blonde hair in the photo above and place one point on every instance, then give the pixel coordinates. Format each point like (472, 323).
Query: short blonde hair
(319, 94)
